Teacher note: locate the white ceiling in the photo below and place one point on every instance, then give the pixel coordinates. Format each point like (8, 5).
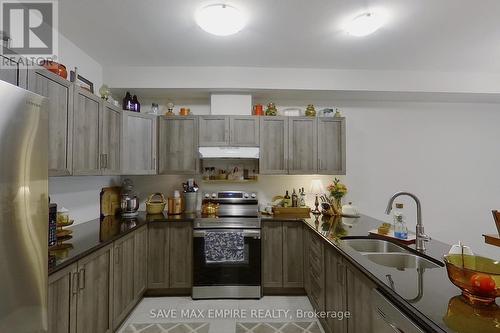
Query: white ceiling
(431, 35)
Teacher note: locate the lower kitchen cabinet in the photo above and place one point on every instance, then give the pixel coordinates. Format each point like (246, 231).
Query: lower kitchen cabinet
(359, 303)
(123, 278)
(94, 292)
(140, 262)
(282, 254)
(62, 296)
(272, 254)
(181, 255)
(170, 255)
(293, 270)
(335, 290)
(158, 263)
(316, 271)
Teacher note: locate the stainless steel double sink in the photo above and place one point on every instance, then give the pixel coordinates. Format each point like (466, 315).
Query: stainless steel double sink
(388, 254)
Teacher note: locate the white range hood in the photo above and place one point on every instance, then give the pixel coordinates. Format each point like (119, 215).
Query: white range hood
(229, 152)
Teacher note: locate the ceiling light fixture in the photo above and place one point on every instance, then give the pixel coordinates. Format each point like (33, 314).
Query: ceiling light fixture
(365, 24)
(220, 19)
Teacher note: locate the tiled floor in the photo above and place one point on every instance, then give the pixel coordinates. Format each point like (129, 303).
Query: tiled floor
(271, 314)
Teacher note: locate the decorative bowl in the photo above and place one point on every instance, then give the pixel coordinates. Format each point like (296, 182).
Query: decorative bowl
(478, 277)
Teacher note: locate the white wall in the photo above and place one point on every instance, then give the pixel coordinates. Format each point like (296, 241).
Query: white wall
(447, 154)
(299, 78)
(80, 195)
(72, 56)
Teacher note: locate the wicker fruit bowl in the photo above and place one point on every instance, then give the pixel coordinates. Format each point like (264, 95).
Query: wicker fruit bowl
(477, 277)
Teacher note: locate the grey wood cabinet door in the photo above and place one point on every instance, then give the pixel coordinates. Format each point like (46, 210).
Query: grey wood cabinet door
(123, 278)
(158, 256)
(178, 145)
(9, 71)
(307, 279)
(213, 131)
(293, 269)
(272, 254)
(59, 93)
(94, 294)
(86, 157)
(138, 143)
(317, 273)
(331, 146)
(302, 145)
(273, 145)
(335, 289)
(244, 131)
(359, 303)
(62, 296)
(181, 255)
(140, 262)
(111, 125)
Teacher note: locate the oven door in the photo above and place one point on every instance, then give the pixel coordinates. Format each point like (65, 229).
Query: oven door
(245, 273)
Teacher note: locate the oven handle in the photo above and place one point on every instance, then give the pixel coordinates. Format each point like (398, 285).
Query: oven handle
(254, 233)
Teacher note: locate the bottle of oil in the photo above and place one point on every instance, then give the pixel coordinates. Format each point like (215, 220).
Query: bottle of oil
(287, 202)
(295, 199)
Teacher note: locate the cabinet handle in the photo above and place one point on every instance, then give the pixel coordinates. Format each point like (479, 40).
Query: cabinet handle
(117, 255)
(101, 161)
(81, 279)
(74, 284)
(340, 275)
(105, 161)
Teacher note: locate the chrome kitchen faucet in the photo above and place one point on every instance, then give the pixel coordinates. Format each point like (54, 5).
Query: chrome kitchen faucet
(421, 237)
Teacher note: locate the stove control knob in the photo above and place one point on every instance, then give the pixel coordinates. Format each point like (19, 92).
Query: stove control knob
(214, 195)
(207, 195)
(246, 196)
(253, 195)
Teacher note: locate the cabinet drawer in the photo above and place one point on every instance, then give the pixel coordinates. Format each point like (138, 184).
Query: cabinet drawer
(317, 295)
(316, 246)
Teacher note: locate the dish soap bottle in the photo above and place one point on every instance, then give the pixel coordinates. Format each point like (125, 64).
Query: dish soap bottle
(400, 228)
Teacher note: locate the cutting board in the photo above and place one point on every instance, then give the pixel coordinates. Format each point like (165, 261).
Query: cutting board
(110, 201)
(390, 236)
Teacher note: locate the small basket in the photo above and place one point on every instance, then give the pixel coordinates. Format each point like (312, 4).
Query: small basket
(155, 207)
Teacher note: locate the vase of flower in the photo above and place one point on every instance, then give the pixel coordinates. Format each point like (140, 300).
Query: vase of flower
(337, 192)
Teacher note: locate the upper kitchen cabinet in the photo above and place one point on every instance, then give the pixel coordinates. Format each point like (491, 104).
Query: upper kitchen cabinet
(273, 145)
(331, 146)
(9, 72)
(59, 93)
(243, 131)
(236, 131)
(214, 131)
(86, 156)
(302, 145)
(110, 133)
(138, 143)
(178, 145)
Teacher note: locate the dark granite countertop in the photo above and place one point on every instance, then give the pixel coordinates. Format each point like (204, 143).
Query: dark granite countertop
(90, 236)
(437, 306)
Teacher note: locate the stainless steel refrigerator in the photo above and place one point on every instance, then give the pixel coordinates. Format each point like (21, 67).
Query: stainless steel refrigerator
(23, 210)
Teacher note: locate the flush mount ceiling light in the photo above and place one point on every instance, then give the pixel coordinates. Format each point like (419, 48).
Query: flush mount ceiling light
(365, 24)
(220, 19)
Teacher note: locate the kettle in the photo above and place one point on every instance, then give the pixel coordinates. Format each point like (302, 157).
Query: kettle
(129, 202)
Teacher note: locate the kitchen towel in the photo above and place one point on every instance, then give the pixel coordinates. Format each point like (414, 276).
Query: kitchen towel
(224, 246)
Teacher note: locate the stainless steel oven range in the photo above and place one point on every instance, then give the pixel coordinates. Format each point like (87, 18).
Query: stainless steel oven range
(227, 248)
